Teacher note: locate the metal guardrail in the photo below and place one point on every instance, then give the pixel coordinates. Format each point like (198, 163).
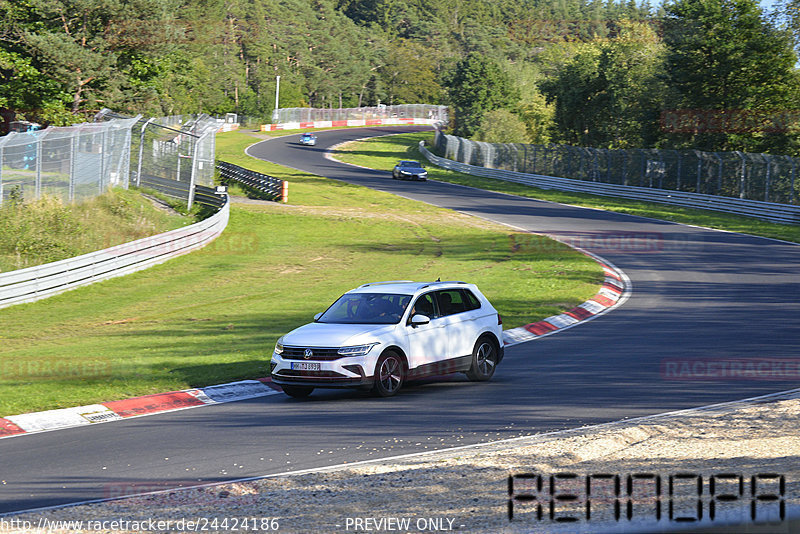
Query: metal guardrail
(206, 196)
(41, 281)
(261, 184)
(781, 213)
(764, 177)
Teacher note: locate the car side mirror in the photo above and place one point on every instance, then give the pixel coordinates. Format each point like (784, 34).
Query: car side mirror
(317, 316)
(418, 320)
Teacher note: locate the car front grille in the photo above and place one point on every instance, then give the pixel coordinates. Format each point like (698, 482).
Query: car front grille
(319, 353)
(310, 374)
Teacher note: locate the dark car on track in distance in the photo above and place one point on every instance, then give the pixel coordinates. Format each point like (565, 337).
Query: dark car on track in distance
(409, 170)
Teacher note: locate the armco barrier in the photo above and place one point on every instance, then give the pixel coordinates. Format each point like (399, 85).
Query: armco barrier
(41, 281)
(781, 213)
(263, 185)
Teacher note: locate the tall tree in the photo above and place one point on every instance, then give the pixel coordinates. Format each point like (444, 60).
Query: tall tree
(409, 74)
(724, 55)
(609, 93)
(478, 85)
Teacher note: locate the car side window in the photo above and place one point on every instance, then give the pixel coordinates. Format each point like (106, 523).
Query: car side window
(451, 301)
(471, 300)
(425, 305)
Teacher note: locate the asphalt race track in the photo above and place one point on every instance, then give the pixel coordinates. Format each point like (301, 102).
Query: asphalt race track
(698, 295)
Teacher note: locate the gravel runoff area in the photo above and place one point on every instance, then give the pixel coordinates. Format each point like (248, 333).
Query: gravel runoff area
(468, 489)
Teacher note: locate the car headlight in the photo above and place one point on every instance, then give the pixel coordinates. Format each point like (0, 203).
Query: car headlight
(279, 346)
(357, 350)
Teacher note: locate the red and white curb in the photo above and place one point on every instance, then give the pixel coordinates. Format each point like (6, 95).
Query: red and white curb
(613, 293)
(28, 423)
(344, 123)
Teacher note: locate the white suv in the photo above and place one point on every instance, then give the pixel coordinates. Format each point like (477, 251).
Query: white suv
(378, 335)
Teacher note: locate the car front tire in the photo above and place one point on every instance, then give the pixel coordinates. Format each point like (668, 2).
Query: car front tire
(484, 360)
(389, 374)
(298, 392)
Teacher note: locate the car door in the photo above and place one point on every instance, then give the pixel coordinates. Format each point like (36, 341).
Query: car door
(427, 343)
(458, 314)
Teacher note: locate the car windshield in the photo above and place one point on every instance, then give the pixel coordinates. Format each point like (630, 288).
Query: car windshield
(414, 164)
(366, 308)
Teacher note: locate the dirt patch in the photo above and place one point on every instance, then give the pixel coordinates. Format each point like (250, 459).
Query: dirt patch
(467, 489)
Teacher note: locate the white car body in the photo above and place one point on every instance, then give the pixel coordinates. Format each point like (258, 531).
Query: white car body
(335, 354)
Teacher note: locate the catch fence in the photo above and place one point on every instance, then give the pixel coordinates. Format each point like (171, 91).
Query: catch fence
(76, 162)
(71, 163)
(403, 111)
(762, 177)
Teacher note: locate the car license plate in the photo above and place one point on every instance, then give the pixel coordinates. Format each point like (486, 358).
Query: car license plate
(305, 366)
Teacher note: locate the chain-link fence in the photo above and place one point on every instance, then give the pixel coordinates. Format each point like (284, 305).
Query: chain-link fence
(179, 148)
(70, 163)
(77, 162)
(404, 111)
(743, 175)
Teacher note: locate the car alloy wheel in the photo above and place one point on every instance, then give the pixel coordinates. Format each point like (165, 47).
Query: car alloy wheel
(389, 374)
(484, 361)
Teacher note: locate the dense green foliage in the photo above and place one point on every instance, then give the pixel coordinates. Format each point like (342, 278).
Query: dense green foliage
(572, 71)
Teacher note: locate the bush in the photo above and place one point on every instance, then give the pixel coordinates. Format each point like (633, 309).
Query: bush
(502, 126)
(44, 230)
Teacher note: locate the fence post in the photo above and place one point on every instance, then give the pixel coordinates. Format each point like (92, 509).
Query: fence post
(767, 178)
(742, 178)
(193, 175)
(791, 181)
(285, 191)
(141, 152)
(678, 183)
(103, 168)
(1, 173)
(626, 153)
(643, 175)
(74, 149)
(525, 158)
(699, 169)
(38, 183)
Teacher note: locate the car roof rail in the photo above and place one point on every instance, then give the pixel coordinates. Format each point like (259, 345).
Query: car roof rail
(444, 282)
(386, 282)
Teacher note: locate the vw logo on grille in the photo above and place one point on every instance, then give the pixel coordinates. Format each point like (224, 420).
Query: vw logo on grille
(308, 353)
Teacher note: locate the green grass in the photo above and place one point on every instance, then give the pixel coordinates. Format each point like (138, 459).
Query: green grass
(214, 315)
(45, 230)
(383, 153)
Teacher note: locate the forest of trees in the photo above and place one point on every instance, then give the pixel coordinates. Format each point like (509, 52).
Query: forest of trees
(586, 72)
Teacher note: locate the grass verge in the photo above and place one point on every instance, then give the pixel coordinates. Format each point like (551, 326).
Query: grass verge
(45, 230)
(383, 153)
(214, 315)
